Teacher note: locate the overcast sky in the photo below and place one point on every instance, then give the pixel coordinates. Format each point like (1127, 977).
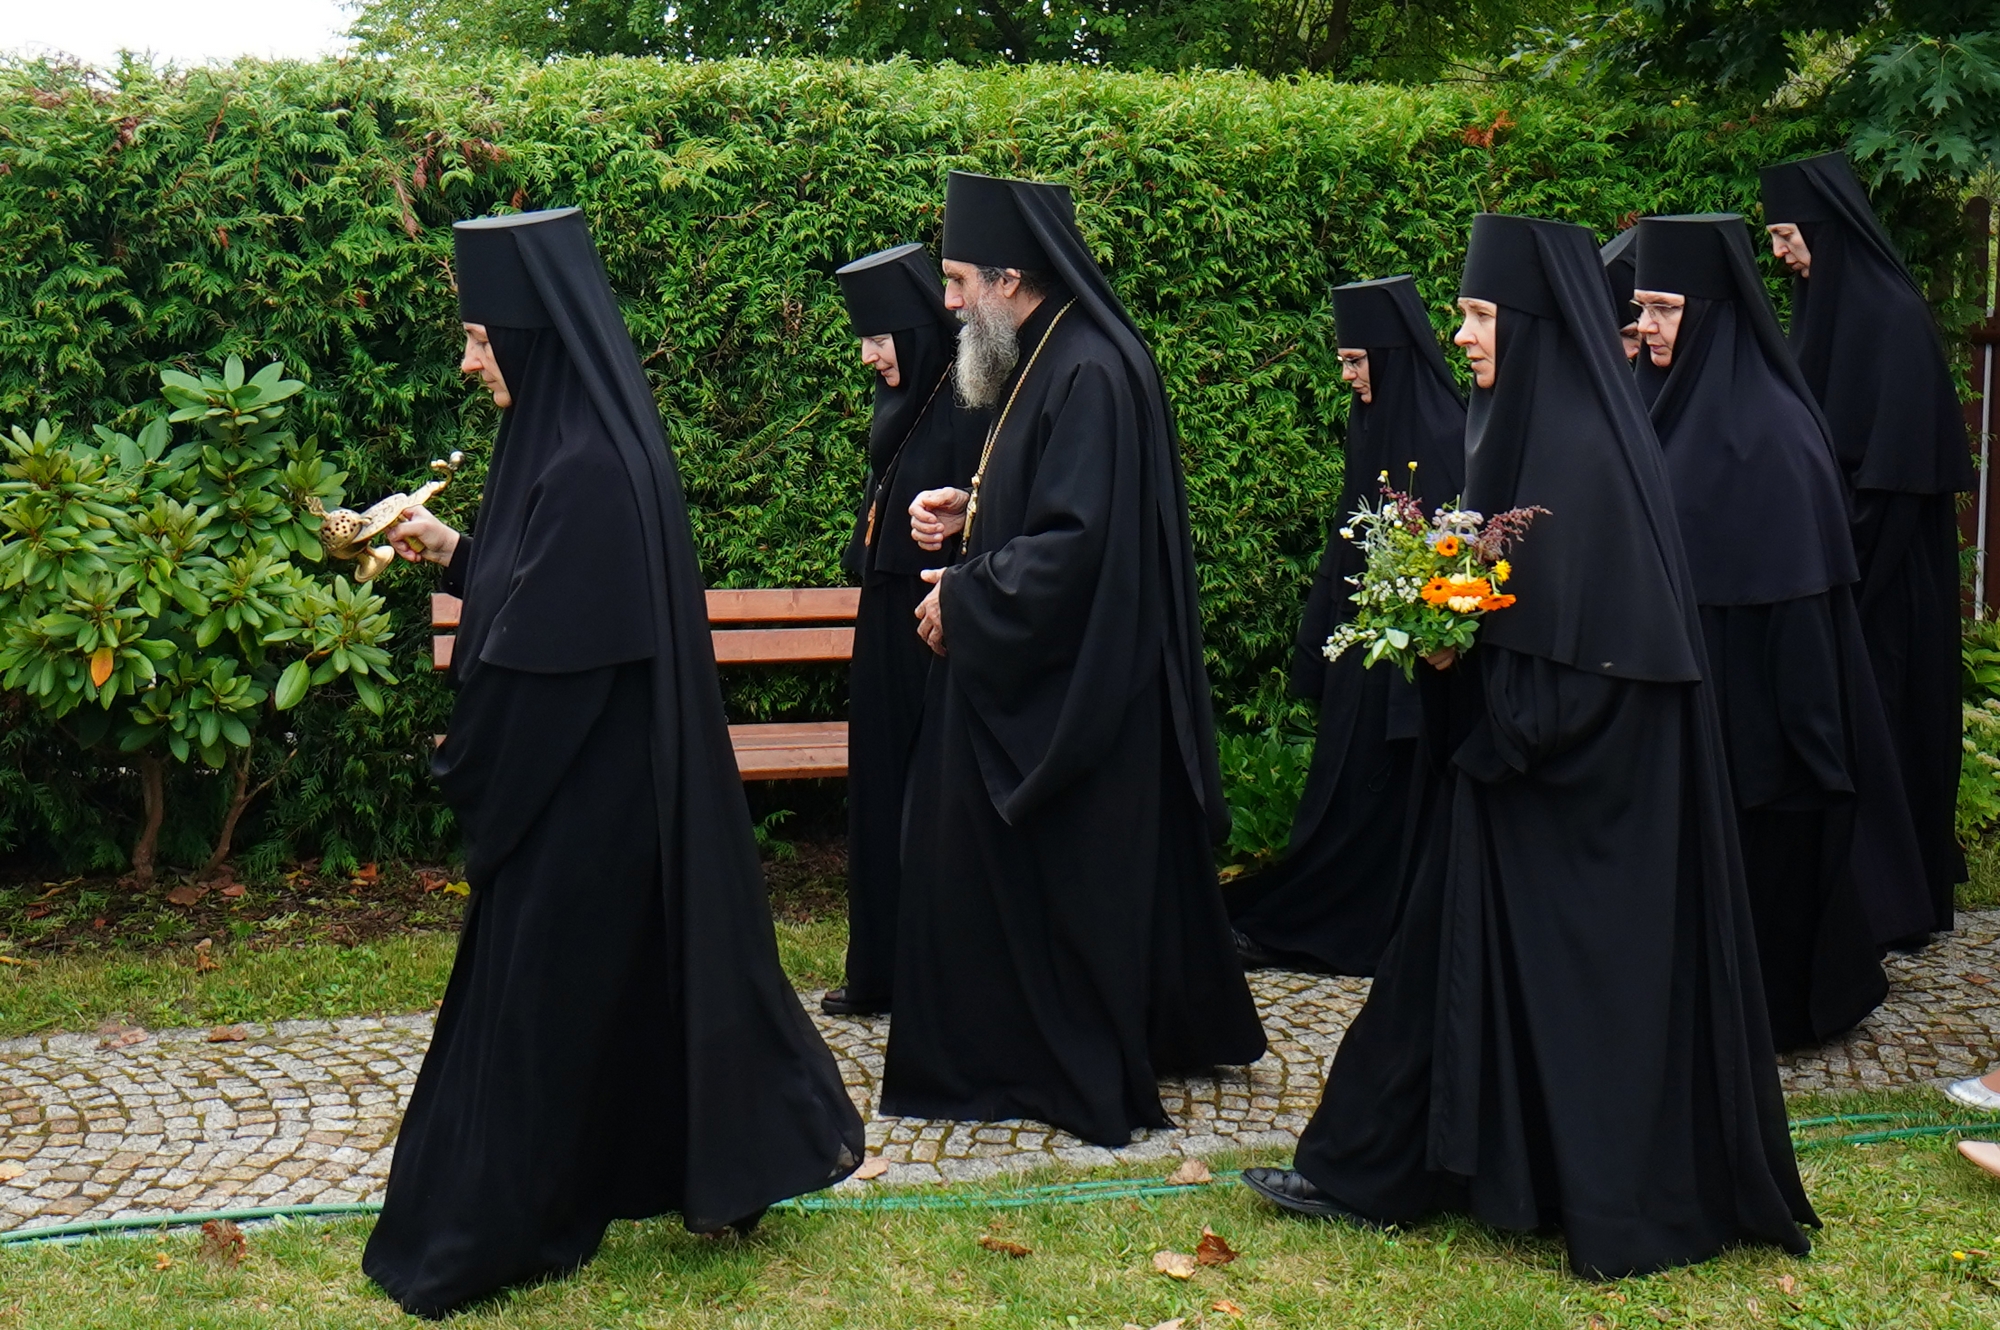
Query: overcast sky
(183, 31)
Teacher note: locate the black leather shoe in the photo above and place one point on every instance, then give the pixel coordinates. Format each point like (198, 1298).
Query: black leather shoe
(837, 1003)
(1284, 1187)
(1255, 955)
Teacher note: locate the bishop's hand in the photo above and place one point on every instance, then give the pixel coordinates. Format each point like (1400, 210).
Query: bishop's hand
(419, 535)
(936, 516)
(930, 614)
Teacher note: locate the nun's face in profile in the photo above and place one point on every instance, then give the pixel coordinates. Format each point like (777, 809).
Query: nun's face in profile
(1354, 372)
(479, 360)
(879, 354)
(1789, 244)
(1480, 336)
(1660, 322)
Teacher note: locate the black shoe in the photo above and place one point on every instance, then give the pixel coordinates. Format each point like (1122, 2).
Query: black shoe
(747, 1225)
(837, 1003)
(1909, 946)
(1284, 1187)
(1254, 954)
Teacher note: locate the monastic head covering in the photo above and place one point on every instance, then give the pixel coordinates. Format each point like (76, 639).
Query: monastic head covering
(1601, 581)
(1865, 338)
(1417, 416)
(1619, 271)
(1789, 192)
(985, 226)
(892, 290)
(1762, 512)
(493, 286)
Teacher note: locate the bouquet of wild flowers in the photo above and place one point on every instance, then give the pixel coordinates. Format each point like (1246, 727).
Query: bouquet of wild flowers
(1428, 580)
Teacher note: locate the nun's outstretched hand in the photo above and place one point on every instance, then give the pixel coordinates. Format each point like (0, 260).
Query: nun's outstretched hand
(421, 536)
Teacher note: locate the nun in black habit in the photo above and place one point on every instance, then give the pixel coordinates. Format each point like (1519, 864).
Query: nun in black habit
(1828, 851)
(1865, 340)
(1063, 941)
(1332, 900)
(919, 439)
(616, 963)
(1567, 1029)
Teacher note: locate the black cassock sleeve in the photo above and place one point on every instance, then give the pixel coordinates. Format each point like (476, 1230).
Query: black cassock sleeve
(1536, 709)
(514, 735)
(458, 573)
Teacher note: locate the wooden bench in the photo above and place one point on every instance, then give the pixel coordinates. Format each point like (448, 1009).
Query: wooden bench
(784, 626)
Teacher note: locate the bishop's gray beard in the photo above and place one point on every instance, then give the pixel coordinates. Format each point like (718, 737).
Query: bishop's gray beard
(988, 350)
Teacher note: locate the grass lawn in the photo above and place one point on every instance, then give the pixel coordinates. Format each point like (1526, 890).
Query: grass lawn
(1895, 1214)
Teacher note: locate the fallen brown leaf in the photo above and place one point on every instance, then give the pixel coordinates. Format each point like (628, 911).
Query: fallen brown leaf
(366, 875)
(204, 958)
(1174, 1264)
(1597, 1322)
(1191, 1173)
(161, 1260)
(1214, 1249)
(233, 890)
(228, 1034)
(1787, 1283)
(873, 1167)
(1226, 1307)
(122, 1036)
(39, 911)
(187, 893)
(11, 1169)
(1661, 1314)
(1004, 1247)
(223, 1242)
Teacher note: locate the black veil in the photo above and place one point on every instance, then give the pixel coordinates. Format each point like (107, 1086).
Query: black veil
(1865, 338)
(1600, 580)
(1763, 516)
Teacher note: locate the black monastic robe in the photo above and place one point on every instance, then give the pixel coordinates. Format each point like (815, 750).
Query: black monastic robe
(1869, 348)
(617, 962)
(920, 439)
(1566, 1029)
(1332, 900)
(1063, 941)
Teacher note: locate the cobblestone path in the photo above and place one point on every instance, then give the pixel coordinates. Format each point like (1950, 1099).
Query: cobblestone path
(304, 1111)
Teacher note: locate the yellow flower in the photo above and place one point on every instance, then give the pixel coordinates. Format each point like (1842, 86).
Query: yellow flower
(1502, 571)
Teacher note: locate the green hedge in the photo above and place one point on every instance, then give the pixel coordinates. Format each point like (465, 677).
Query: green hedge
(302, 212)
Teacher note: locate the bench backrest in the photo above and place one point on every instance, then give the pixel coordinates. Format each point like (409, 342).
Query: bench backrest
(817, 625)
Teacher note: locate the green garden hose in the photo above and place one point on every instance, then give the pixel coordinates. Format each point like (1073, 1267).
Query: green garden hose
(1062, 1193)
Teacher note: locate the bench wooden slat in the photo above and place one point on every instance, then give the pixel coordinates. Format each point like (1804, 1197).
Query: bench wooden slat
(784, 605)
(760, 605)
(790, 751)
(775, 646)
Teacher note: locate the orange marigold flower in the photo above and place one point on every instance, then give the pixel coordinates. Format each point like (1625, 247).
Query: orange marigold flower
(1495, 602)
(1448, 546)
(1445, 590)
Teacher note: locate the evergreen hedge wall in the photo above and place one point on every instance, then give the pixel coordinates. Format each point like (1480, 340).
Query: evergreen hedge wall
(302, 212)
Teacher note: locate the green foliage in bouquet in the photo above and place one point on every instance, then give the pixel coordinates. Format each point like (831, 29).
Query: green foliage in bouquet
(1430, 578)
(157, 600)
